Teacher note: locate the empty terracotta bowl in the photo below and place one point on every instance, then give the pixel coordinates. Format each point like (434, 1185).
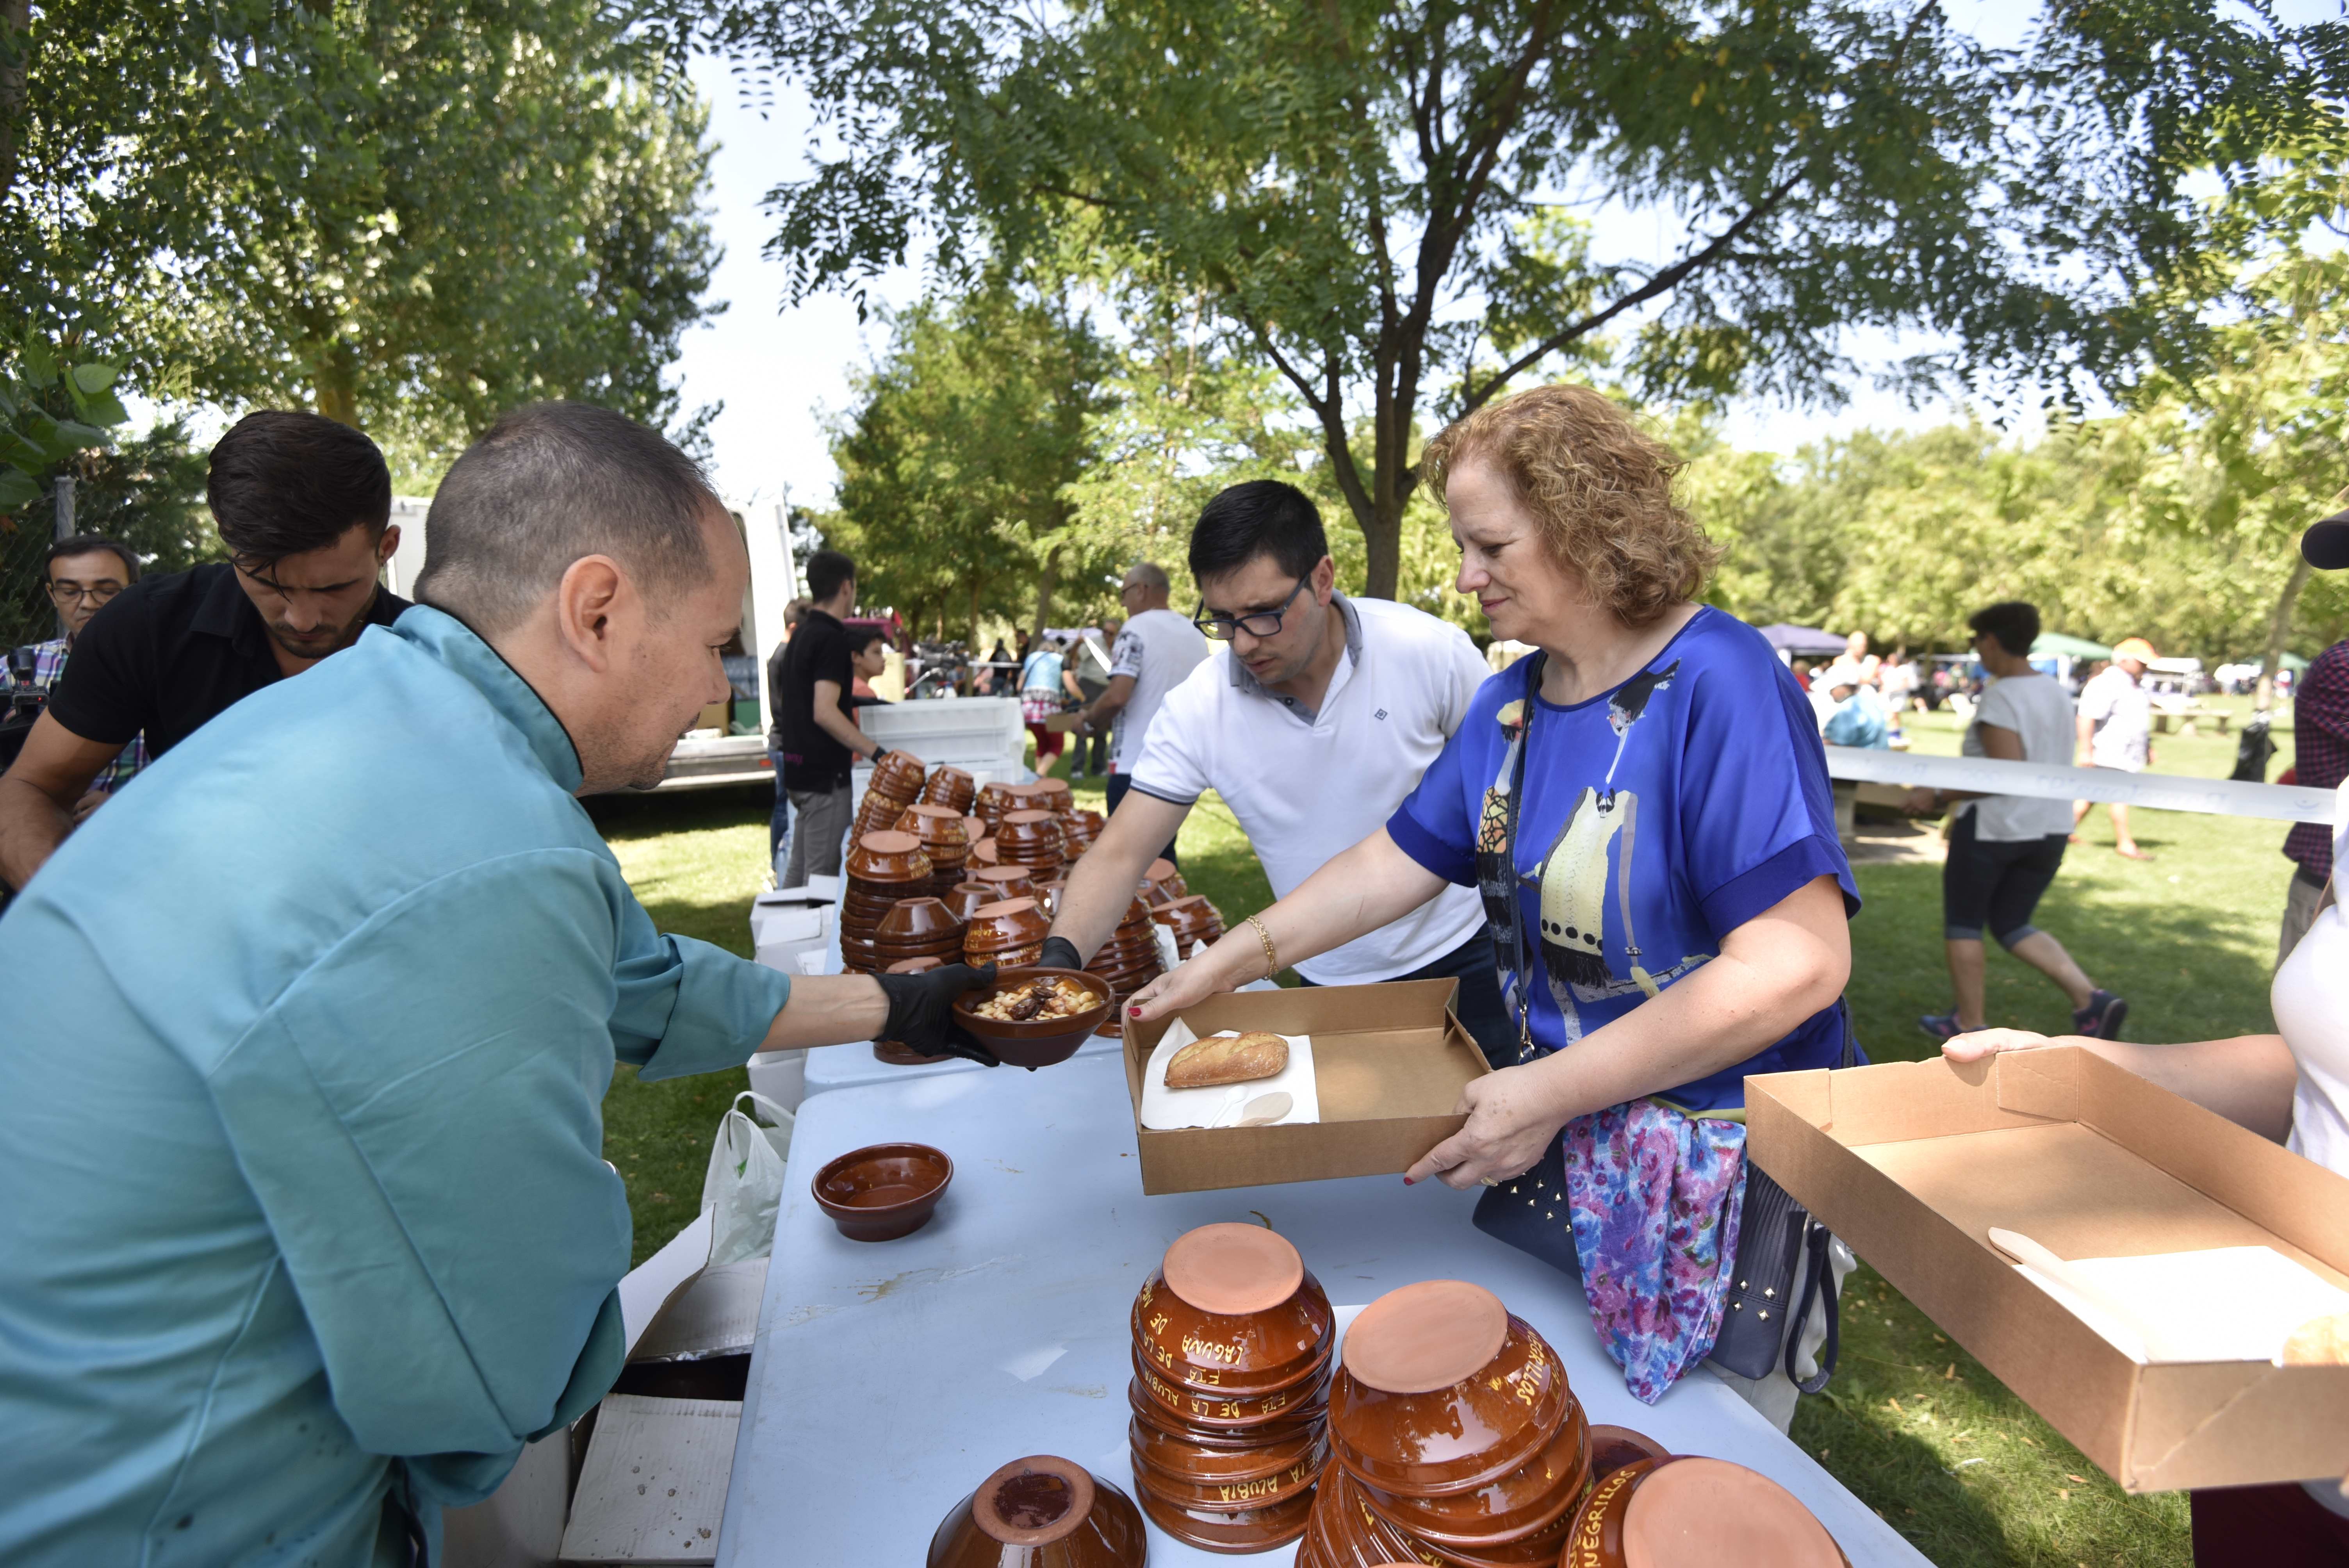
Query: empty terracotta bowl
(1530, 1503)
(985, 852)
(1682, 1512)
(964, 897)
(1441, 1390)
(883, 1190)
(1006, 925)
(1038, 1042)
(916, 919)
(889, 856)
(1612, 1448)
(1042, 1512)
(974, 828)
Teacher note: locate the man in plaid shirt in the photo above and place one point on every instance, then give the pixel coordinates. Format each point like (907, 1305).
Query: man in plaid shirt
(2320, 724)
(82, 573)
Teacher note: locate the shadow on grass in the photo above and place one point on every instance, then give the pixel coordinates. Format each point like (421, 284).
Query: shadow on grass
(2187, 974)
(646, 813)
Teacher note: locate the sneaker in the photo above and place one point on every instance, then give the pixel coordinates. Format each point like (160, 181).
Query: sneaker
(2101, 1018)
(1941, 1025)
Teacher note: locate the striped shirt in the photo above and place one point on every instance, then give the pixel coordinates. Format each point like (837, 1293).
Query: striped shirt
(48, 668)
(2320, 726)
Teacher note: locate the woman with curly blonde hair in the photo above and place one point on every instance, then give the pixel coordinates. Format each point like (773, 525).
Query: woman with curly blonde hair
(1643, 804)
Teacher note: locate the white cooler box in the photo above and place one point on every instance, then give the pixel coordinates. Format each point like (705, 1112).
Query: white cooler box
(983, 736)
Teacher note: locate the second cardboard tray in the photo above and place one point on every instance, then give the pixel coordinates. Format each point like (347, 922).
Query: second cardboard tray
(1390, 1061)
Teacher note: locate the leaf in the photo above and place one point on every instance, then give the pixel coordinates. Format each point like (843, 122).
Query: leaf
(16, 488)
(40, 365)
(95, 378)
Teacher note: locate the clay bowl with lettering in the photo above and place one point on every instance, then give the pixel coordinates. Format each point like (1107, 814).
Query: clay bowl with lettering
(1347, 1535)
(1042, 1511)
(1532, 1504)
(1004, 926)
(883, 1190)
(1441, 1390)
(1251, 1491)
(1232, 1310)
(940, 829)
(1176, 1455)
(1034, 1042)
(888, 858)
(1243, 1530)
(949, 786)
(1215, 1412)
(1302, 1423)
(1682, 1512)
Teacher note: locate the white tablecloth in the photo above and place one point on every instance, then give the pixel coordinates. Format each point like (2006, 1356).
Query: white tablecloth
(889, 1378)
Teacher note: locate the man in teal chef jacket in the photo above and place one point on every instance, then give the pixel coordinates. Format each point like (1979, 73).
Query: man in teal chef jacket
(304, 1226)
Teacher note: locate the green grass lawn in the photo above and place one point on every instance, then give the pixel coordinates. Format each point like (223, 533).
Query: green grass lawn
(1911, 1423)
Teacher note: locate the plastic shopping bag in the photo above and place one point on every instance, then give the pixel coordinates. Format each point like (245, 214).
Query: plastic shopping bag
(745, 1183)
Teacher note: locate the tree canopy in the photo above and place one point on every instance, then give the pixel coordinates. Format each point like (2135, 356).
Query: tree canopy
(1377, 201)
(407, 216)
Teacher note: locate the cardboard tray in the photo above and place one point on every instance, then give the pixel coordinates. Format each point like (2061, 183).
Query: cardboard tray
(1390, 1061)
(1912, 1162)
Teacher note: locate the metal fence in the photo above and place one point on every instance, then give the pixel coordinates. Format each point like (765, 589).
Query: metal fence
(25, 615)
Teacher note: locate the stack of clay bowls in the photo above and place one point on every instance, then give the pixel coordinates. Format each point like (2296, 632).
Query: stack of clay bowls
(1031, 838)
(1042, 1512)
(943, 839)
(896, 784)
(883, 868)
(950, 787)
(1192, 920)
(993, 800)
(1162, 873)
(1079, 828)
(1004, 881)
(1128, 960)
(967, 896)
(918, 928)
(1009, 935)
(1232, 1345)
(1452, 1431)
(1052, 795)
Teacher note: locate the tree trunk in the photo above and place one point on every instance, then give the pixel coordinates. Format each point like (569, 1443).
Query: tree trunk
(1383, 549)
(2263, 695)
(336, 381)
(1047, 581)
(16, 21)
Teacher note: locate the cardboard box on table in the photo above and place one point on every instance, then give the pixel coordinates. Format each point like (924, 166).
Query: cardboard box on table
(1390, 1061)
(1913, 1162)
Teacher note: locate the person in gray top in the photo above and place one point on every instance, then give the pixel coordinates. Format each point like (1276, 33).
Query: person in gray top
(1154, 650)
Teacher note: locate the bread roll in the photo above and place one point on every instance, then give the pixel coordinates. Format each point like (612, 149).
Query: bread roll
(1226, 1058)
(2321, 1341)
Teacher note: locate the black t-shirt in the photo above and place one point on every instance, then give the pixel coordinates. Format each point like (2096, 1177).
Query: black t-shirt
(168, 653)
(818, 651)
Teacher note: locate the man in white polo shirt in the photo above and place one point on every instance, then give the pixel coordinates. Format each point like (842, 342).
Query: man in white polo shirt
(1312, 721)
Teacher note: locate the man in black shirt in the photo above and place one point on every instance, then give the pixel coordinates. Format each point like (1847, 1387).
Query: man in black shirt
(815, 738)
(304, 505)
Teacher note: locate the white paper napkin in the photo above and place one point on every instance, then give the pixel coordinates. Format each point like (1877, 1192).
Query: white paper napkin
(1164, 1109)
(2224, 1304)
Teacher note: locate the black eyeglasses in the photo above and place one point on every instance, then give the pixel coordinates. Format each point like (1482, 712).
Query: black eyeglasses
(1262, 623)
(74, 592)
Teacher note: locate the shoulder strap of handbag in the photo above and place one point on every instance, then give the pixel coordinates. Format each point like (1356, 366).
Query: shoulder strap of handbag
(1818, 1276)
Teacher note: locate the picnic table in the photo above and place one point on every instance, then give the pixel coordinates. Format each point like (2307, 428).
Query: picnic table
(888, 1379)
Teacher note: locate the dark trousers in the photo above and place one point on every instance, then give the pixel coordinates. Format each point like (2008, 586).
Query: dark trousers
(1118, 784)
(1477, 1003)
(778, 822)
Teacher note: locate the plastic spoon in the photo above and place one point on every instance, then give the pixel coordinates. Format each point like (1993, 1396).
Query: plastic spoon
(2025, 1251)
(1265, 1109)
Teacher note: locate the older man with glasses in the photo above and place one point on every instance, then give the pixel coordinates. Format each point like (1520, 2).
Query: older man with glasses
(81, 573)
(1312, 720)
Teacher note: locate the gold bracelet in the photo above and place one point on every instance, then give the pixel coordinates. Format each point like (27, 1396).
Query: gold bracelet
(1272, 959)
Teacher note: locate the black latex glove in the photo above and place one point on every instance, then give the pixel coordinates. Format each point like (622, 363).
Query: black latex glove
(1059, 953)
(921, 1012)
